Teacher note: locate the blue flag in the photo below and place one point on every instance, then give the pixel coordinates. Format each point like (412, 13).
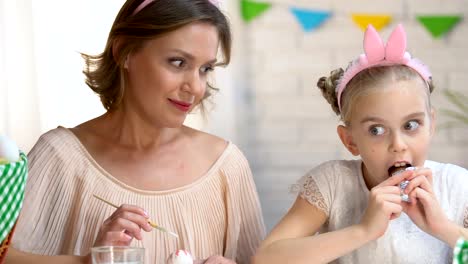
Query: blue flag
(310, 19)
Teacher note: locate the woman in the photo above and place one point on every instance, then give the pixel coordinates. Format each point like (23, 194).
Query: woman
(153, 72)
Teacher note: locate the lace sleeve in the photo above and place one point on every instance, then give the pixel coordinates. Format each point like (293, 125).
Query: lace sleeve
(309, 191)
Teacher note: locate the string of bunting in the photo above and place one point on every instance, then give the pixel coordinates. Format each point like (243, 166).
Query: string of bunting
(310, 19)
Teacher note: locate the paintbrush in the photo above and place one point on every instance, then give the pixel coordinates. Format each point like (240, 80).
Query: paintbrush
(153, 224)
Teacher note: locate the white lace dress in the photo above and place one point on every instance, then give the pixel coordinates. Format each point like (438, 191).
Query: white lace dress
(338, 188)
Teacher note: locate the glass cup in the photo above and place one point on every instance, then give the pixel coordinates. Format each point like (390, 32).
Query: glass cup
(117, 255)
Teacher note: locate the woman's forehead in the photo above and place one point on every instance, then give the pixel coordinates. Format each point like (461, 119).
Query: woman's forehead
(201, 37)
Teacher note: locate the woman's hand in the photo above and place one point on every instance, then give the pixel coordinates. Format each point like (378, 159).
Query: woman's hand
(215, 260)
(384, 205)
(122, 226)
(424, 209)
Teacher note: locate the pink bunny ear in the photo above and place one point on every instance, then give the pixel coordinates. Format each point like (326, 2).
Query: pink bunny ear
(396, 44)
(373, 45)
(378, 55)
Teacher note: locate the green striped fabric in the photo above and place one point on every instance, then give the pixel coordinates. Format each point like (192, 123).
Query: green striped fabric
(460, 252)
(12, 181)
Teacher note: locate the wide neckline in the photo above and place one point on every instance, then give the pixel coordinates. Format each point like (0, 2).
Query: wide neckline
(211, 171)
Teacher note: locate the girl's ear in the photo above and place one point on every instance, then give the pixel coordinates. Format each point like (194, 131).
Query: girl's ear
(347, 139)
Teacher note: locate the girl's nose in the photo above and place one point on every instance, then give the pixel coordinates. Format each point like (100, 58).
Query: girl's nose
(397, 143)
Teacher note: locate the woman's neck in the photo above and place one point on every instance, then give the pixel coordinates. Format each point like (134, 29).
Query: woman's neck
(130, 130)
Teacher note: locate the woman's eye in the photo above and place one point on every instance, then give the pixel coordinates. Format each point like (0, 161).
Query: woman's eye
(207, 69)
(377, 130)
(411, 125)
(177, 62)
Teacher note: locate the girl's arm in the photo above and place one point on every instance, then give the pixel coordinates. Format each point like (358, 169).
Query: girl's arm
(451, 233)
(293, 240)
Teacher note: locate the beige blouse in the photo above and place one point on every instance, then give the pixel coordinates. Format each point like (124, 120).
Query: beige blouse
(217, 214)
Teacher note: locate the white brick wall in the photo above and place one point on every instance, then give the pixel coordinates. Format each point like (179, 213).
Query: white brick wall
(289, 127)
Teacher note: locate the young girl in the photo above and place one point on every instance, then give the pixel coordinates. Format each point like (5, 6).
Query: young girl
(358, 207)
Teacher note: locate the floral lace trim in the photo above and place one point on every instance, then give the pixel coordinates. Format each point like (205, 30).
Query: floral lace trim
(465, 220)
(310, 191)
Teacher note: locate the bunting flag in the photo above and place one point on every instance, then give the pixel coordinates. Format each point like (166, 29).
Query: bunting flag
(378, 21)
(438, 26)
(251, 9)
(310, 19)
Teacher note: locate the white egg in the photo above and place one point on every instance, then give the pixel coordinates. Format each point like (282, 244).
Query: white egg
(180, 257)
(8, 150)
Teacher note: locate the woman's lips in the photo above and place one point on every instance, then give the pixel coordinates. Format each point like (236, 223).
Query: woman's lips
(182, 106)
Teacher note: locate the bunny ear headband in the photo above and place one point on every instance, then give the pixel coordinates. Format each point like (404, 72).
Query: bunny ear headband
(378, 54)
(147, 2)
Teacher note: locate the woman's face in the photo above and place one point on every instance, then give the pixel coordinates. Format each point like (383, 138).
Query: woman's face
(167, 76)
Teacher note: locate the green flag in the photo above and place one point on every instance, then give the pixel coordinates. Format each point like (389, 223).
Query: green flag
(439, 25)
(251, 9)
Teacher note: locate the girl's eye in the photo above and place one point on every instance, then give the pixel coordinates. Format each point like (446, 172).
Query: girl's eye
(177, 62)
(377, 130)
(411, 125)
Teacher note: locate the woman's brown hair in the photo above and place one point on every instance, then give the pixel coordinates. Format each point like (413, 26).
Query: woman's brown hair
(104, 72)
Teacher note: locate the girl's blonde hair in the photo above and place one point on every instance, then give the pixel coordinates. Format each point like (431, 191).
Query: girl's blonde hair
(364, 82)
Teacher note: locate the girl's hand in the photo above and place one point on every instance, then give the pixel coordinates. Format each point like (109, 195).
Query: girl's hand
(215, 260)
(384, 205)
(423, 208)
(122, 226)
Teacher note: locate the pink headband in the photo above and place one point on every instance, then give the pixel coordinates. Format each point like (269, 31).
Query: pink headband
(378, 54)
(147, 2)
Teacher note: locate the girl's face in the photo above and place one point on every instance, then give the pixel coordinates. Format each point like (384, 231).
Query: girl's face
(167, 77)
(390, 127)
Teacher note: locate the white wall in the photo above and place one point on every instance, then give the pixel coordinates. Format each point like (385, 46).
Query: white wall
(63, 29)
(17, 78)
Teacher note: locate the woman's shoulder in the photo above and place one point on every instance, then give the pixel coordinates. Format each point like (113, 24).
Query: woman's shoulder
(211, 146)
(54, 139)
(55, 134)
(55, 153)
(227, 155)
